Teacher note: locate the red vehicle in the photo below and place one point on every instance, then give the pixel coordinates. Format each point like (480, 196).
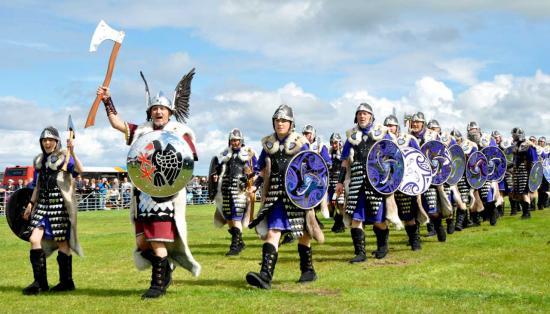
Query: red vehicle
(18, 172)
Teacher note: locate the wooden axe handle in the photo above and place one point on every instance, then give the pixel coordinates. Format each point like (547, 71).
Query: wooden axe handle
(90, 121)
(68, 154)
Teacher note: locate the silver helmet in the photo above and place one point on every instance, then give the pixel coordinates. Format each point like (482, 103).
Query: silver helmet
(518, 135)
(433, 123)
(50, 132)
(391, 120)
(543, 140)
(472, 125)
(495, 134)
(363, 107)
(335, 137)
(235, 134)
(158, 100)
(309, 129)
(456, 134)
(283, 112)
(418, 117)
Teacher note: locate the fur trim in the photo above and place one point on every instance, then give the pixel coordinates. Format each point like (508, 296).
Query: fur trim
(485, 140)
(354, 135)
(422, 217)
(292, 144)
(378, 132)
(456, 196)
(444, 204)
(172, 126)
(468, 146)
(430, 135)
(391, 212)
(446, 138)
(477, 204)
(313, 228)
(324, 207)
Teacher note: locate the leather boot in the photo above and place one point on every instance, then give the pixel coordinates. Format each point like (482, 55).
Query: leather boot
(475, 218)
(358, 237)
(263, 279)
(450, 225)
(460, 215)
(430, 228)
(439, 229)
(306, 264)
(158, 278)
(65, 263)
(237, 243)
(382, 237)
(514, 207)
(525, 208)
(339, 226)
(414, 237)
(149, 255)
(491, 213)
(40, 283)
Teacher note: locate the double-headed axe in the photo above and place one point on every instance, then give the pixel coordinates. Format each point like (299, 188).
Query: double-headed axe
(103, 32)
(70, 128)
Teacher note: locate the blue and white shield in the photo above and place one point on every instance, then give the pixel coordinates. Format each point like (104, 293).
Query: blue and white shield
(458, 161)
(306, 179)
(535, 176)
(496, 163)
(440, 159)
(546, 169)
(417, 176)
(476, 170)
(385, 166)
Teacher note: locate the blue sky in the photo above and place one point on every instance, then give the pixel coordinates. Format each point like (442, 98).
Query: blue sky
(457, 62)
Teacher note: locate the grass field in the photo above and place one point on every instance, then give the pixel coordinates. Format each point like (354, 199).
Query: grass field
(505, 268)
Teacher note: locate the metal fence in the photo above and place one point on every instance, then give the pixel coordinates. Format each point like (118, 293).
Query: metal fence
(112, 199)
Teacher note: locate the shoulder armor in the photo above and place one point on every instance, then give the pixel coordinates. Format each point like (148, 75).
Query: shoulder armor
(378, 132)
(430, 135)
(485, 140)
(270, 144)
(446, 138)
(353, 136)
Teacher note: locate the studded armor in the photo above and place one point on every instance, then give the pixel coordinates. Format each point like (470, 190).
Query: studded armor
(234, 181)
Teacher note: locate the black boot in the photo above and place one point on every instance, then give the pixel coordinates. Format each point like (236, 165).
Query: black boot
(150, 256)
(339, 226)
(382, 237)
(475, 219)
(263, 279)
(158, 278)
(440, 230)
(431, 230)
(492, 213)
(460, 215)
(450, 225)
(40, 283)
(306, 264)
(525, 207)
(514, 207)
(65, 263)
(237, 243)
(500, 210)
(414, 237)
(358, 237)
(533, 204)
(467, 221)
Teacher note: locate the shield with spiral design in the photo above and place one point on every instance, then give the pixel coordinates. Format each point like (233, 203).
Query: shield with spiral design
(546, 169)
(458, 160)
(476, 170)
(385, 166)
(440, 159)
(306, 179)
(15, 208)
(535, 176)
(417, 175)
(496, 163)
(160, 163)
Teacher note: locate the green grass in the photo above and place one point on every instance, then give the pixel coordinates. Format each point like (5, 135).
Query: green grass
(485, 269)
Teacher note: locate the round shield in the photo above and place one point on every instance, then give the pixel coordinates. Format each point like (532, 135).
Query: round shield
(546, 169)
(306, 179)
(417, 176)
(476, 170)
(458, 160)
(16, 206)
(496, 163)
(509, 153)
(212, 182)
(535, 176)
(440, 159)
(385, 166)
(160, 163)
